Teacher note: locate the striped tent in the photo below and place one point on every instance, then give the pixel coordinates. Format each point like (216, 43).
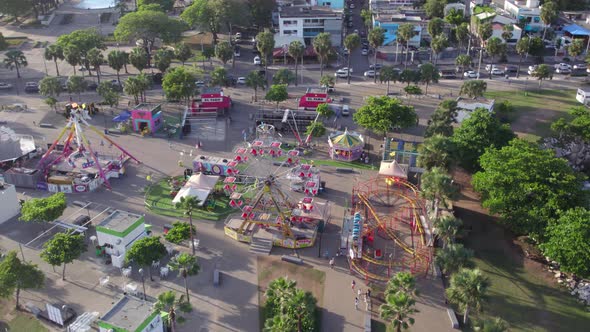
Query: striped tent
(346, 145)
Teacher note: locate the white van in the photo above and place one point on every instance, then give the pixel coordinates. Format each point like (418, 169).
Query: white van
(583, 96)
(345, 110)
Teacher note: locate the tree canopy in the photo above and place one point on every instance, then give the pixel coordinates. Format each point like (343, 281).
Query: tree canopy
(84, 40)
(16, 275)
(166, 5)
(289, 308)
(149, 25)
(179, 84)
(44, 209)
(435, 8)
(145, 251)
(442, 120)
(468, 289)
(474, 88)
(382, 114)
(283, 76)
(63, 249)
(527, 185)
(277, 93)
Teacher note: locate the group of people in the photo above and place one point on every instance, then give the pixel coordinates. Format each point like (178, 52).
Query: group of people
(366, 296)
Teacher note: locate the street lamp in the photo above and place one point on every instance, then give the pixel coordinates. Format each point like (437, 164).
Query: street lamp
(141, 272)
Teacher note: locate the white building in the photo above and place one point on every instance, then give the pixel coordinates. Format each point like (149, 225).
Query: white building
(131, 314)
(9, 206)
(466, 106)
(117, 232)
(308, 22)
(528, 10)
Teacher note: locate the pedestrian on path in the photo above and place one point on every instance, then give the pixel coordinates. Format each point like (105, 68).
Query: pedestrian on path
(359, 293)
(332, 263)
(353, 284)
(356, 303)
(369, 293)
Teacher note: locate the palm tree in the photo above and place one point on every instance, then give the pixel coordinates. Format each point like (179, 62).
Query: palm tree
(139, 58)
(437, 186)
(15, 59)
(468, 290)
(117, 60)
(376, 39)
(136, 86)
(405, 33)
(522, 48)
(452, 258)
(495, 324)
(322, 45)
(462, 34)
(549, 13)
(463, 61)
(352, 42)
(279, 293)
(95, 59)
(187, 266)
(53, 53)
(296, 51)
(254, 80)
(388, 74)
(436, 151)
(397, 310)
(167, 303)
(446, 228)
(189, 204)
(507, 32)
(438, 44)
(403, 282)
(72, 56)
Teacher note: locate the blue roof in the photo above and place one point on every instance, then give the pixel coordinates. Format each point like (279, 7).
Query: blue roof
(576, 30)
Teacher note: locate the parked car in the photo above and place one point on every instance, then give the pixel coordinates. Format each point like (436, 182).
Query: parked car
(491, 67)
(237, 52)
(562, 66)
(447, 74)
(350, 24)
(471, 74)
(31, 87)
(346, 69)
(533, 68)
(497, 71)
(345, 110)
(563, 70)
(342, 74)
(365, 51)
(580, 66)
(81, 220)
(199, 84)
(371, 73)
(345, 52)
(257, 60)
(329, 88)
(241, 80)
(377, 66)
(510, 68)
(5, 86)
(351, 6)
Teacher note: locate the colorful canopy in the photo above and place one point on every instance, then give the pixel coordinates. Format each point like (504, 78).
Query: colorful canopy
(347, 140)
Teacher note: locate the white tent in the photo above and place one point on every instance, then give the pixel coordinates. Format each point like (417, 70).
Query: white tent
(393, 169)
(198, 186)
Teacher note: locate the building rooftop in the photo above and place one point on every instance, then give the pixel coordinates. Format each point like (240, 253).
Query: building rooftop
(148, 108)
(213, 90)
(129, 313)
(397, 17)
(316, 90)
(286, 12)
(472, 104)
(119, 221)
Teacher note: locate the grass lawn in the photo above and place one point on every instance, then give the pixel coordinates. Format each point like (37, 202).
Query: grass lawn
(159, 201)
(15, 41)
(519, 293)
(23, 322)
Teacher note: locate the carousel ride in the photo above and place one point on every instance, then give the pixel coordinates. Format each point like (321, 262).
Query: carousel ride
(275, 194)
(387, 231)
(77, 165)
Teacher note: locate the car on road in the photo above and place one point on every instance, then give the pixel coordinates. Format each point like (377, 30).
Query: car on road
(350, 25)
(510, 68)
(351, 6)
(580, 66)
(342, 73)
(241, 80)
(563, 70)
(31, 87)
(491, 67)
(562, 66)
(365, 51)
(497, 71)
(237, 52)
(371, 73)
(345, 110)
(376, 66)
(5, 86)
(471, 74)
(199, 84)
(356, 31)
(257, 60)
(238, 36)
(533, 68)
(345, 52)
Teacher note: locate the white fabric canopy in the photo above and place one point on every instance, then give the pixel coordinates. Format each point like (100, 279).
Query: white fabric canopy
(198, 186)
(393, 169)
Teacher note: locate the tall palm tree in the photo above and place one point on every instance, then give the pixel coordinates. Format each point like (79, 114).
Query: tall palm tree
(376, 39)
(522, 48)
(452, 258)
(403, 282)
(398, 309)
(139, 58)
(167, 303)
(279, 292)
(405, 33)
(468, 290)
(296, 51)
(187, 266)
(549, 12)
(15, 59)
(352, 42)
(322, 45)
(437, 186)
(95, 59)
(255, 81)
(53, 53)
(436, 150)
(189, 204)
(438, 44)
(463, 61)
(117, 61)
(446, 228)
(73, 56)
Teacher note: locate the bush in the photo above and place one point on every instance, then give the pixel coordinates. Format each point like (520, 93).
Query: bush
(504, 111)
(179, 232)
(413, 90)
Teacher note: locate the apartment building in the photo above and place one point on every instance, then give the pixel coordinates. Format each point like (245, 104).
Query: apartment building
(308, 22)
(392, 22)
(528, 10)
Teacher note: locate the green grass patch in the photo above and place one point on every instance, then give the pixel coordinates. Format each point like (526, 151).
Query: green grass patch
(537, 100)
(159, 200)
(27, 323)
(15, 41)
(483, 9)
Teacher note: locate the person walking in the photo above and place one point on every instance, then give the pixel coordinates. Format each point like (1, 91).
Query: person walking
(356, 303)
(359, 293)
(332, 263)
(352, 285)
(369, 293)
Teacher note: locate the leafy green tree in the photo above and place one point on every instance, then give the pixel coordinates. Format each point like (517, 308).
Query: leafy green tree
(495, 324)
(166, 5)
(367, 17)
(473, 89)
(576, 48)
(388, 74)
(481, 130)
(463, 61)
(205, 15)
(402, 282)
(77, 85)
(179, 232)
(322, 45)
(179, 84)
(522, 48)
(72, 56)
(224, 52)
(381, 114)
(182, 52)
(45, 209)
(63, 249)
(187, 266)
(50, 86)
(53, 53)
(219, 77)
(288, 308)
(167, 302)
(163, 59)
(189, 204)
(255, 81)
(327, 81)
(261, 12)
(542, 72)
(455, 17)
(16, 276)
(51, 102)
(413, 90)
(536, 47)
(139, 58)
(109, 93)
(296, 51)
(446, 228)
(83, 40)
(117, 60)
(398, 309)
(549, 13)
(265, 43)
(324, 110)
(442, 120)
(145, 251)
(409, 76)
(15, 59)
(438, 44)
(15, 8)
(468, 289)
(95, 58)
(463, 36)
(278, 294)
(507, 32)
(435, 26)
(495, 47)
(277, 93)
(437, 187)
(435, 8)
(484, 31)
(148, 25)
(376, 39)
(428, 74)
(315, 129)
(351, 42)
(436, 151)
(150, 7)
(208, 53)
(405, 33)
(283, 76)
(546, 185)
(453, 257)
